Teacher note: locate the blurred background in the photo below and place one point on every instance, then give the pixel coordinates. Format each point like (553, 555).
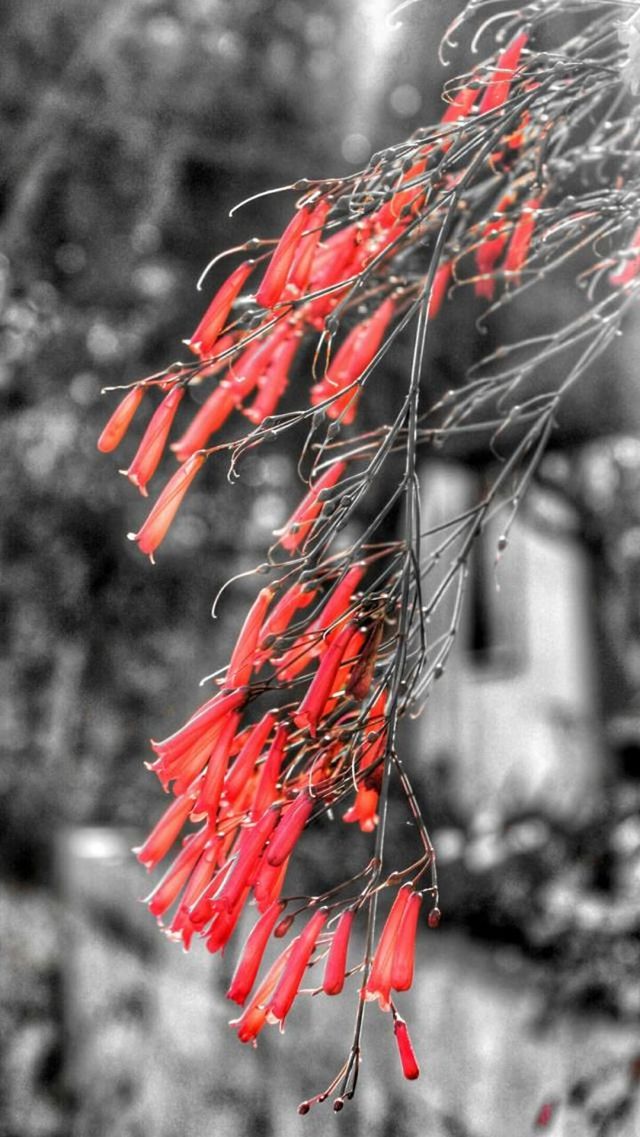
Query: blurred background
(128, 130)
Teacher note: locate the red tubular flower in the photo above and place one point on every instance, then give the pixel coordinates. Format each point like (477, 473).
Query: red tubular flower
(629, 267)
(408, 1059)
(244, 863)
(207, 420)
(274, 383)
(243, 655)
(439, 288)
(158, 523)
(335, 969)
(312, 707)
(181, 926)
(282, 257)
(370, 769)
(152, 444)
(177, 875)
(246, 372)
(283, 997)
(289, 830)
(182, 768)
(488, 253)
(224, 924)
(349, 661)
(245, 762)
(165, 831)
(248, 965)
(268, 883)
(296, 597)
(378, 985)
(364, 808)
(391, 211)
(120, 420)
(351, 360)
(518, 249)
(405, 946)
(205, 718)
(307, 248)
(313, 643)
(211, 789)
(265, 793)
(332, 264)
(204, 338)
(301, 521)
(460, 105)
(497, 91)
(254, 1017)
(361, 677)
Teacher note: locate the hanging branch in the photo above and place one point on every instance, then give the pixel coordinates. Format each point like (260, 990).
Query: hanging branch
(534, 165)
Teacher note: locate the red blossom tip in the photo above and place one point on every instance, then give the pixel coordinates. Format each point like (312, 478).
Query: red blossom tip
(408, 1060)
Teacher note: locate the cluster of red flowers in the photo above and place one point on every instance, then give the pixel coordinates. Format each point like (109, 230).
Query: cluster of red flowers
(319, 647)
(309, 278)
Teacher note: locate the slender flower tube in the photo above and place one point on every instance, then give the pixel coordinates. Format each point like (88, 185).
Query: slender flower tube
(439, 288)
(391, 211)
(352, 359)
(152, 444)
(313, 642)
(183, 768)
(297, 597)
(408, 1060)
(361, 677)
(274, 383)
(177, 874)
(204, 338)
(335, 969)
(165, 831)
(378, 985)
(497, 91)
(207, 420)
(181, 926)
(282, 258)
(211, 789)
(121, 420)
(312, 707)
(265, 793)
(206, 717)
(349, 661)
(244, 862)
(284, 995)
(224, 924)
(247, 371)
(289, 830)
(245, 763)
(306, 251)
(243, 656)
(268, 883)
(370, 768)
(494, 240)
(404, 951)
(518, 249)
(460, 105)
(248, 965)
(254, 1016)
(158, 523)
(302, 519)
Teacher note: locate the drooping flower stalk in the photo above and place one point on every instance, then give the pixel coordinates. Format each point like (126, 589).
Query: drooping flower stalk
(333, 654)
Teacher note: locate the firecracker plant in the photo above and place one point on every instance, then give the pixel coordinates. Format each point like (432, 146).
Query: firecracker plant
(534, 164)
